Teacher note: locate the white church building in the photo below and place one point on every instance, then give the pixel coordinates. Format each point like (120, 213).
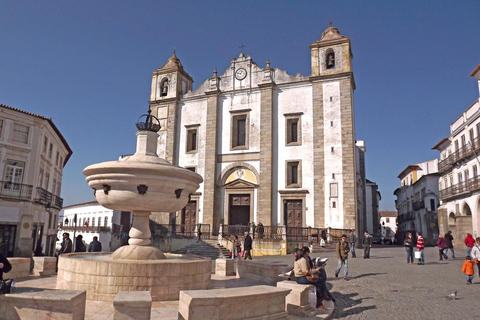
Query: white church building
(271, 147)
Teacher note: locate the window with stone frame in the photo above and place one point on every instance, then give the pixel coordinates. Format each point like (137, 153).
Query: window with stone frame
(20, 133)
(293, 129)
(293, 174)
(50, 151)
(192, 139)
(239, 136)
(1, 127)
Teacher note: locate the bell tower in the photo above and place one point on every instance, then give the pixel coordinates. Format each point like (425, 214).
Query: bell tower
(169, 84)
(334, 147)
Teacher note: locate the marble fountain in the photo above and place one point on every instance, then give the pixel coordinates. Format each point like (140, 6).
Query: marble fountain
(140, 183)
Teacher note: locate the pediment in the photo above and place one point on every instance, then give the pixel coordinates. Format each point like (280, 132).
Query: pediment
(240, 184)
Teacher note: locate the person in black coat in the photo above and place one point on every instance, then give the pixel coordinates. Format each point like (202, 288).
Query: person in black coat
(247, 246)
(79, 245)
(5, 266)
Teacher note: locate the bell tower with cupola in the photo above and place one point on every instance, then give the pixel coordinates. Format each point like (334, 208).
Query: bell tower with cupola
(169, 84)
(334, 147)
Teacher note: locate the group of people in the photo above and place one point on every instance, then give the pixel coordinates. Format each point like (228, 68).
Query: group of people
(67, 244)
(366, 243)
(247, 247)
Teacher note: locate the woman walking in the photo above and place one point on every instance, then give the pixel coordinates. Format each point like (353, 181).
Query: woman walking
(441, 247)
(409, 248)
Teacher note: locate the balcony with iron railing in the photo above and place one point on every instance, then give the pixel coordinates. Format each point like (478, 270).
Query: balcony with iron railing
(42, 196)
(472, 147)
(459, 189)
(15, 191)
(417, 205)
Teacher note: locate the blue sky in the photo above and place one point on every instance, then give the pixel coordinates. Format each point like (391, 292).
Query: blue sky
(88, 64)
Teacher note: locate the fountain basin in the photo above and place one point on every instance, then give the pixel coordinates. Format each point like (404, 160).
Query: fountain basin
(118, 184)
(102, 277)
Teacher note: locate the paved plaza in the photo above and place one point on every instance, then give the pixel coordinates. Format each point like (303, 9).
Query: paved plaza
(386, 287)
(382, 287)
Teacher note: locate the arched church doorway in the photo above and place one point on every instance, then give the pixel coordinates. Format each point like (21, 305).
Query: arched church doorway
(240, 184)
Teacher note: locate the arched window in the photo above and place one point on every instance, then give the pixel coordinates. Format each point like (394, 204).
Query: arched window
(164, 88)
(330, 59)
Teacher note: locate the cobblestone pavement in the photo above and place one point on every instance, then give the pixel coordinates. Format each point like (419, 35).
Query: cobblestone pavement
(386, 287)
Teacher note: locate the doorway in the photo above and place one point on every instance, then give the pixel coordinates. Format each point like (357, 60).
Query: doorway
(239, 209)
(189, 218)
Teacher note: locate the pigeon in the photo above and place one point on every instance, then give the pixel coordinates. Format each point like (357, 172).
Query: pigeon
(452, 296)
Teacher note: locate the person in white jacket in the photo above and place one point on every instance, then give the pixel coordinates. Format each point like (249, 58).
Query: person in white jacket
(475, 254)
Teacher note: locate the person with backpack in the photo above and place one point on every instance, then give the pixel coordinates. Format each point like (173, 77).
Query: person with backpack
(408, 244)
(449, 243)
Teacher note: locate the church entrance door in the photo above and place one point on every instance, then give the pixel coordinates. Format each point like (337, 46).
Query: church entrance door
(239, 211)
(294, 218)
(189, 217)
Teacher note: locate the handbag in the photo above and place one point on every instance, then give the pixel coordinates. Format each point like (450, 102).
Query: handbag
(241, 253)
(313, 278)
(7, 286)
(418, 255)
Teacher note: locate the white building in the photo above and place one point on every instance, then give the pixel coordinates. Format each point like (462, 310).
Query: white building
(417, 201)
(32, 157)
(388, 224)
(271, 147)
(92, 219)
(459, 166)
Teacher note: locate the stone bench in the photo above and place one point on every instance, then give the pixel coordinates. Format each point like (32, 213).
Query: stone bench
(257, 302)
(45, 304)
(225, 267)
(20, 268)
(44, 266)
(301, 300)
(132, 305)
(263, 272)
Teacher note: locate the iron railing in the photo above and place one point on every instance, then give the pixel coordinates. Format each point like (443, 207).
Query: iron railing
(42, 196)
(461, 188)
(15, 191)
(180, 230)
(465, 151)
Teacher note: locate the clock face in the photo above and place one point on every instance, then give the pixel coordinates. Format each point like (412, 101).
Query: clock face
(240, 74)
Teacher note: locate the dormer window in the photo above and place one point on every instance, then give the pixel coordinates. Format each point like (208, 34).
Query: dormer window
(164, 88)
(330, 60)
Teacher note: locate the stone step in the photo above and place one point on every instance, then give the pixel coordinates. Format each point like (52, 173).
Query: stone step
(207, 248)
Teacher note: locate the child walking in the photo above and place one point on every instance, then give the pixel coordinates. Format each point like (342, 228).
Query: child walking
(468, 268)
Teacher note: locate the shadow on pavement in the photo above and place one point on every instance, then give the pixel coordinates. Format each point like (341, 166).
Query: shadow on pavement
(29, 289)
(368, 275)
(344, 301)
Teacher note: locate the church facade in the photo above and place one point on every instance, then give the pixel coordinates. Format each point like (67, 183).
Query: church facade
(271, 147)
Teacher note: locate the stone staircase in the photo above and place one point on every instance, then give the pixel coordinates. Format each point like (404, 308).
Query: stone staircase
(316, 248)
(205, 248)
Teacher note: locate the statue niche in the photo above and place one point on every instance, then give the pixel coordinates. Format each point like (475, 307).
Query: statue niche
(164, 88)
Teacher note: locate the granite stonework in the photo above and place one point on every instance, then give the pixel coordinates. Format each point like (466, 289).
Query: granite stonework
(44, 266)
(132, 305)
(20, 268)
(263, 272)
(225, 267)
(103, 277)
(256, 302)
(301, 300)
(45, 304)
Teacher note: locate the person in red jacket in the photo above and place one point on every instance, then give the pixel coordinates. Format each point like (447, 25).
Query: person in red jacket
(420, 247)
(469, 242)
